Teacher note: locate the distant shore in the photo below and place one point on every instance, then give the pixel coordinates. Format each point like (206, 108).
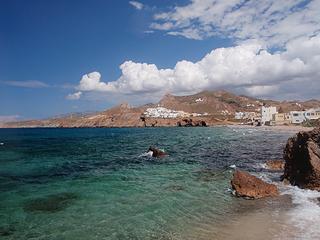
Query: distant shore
(293, 128)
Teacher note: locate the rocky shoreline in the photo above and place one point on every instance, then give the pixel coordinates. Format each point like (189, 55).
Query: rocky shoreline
(301, 166)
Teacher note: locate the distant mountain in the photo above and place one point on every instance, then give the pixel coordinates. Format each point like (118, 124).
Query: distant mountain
(219, 107)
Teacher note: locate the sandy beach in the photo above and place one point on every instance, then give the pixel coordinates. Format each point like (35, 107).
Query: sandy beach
(286, 128)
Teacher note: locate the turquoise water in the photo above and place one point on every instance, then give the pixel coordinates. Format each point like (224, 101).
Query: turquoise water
(96, 183)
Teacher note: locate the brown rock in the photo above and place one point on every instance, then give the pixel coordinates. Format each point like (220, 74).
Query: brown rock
(275, 164)
(249, 186)
(302, 160)
(157, 152)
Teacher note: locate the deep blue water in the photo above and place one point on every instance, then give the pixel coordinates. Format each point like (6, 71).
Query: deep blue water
(95, 183)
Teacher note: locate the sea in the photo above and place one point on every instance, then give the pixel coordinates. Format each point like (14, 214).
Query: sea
(100, 183)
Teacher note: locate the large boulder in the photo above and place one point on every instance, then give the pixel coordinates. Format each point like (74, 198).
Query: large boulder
(248, 186)
(302, 160)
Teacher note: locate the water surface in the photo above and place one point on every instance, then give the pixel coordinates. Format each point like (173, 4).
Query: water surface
(96, 183)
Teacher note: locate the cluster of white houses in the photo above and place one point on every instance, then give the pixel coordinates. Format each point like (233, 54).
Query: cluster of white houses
(270, 116)
(161, 112)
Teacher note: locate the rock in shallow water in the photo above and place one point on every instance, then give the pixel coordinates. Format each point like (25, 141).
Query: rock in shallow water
(248, 186)
(156, 152)
(275, 165)
(302, 160)
(50, 203)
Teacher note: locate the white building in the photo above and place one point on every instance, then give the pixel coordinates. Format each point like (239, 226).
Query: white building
(267, 113)
(245, 115)
(297, 116)
(313, 113)
(161, 112)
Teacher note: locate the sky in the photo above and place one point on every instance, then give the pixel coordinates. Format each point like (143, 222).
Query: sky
(66, 56)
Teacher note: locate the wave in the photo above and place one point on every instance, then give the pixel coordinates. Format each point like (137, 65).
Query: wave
(305, 215)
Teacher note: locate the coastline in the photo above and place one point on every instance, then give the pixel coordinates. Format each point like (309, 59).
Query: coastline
(287, 128)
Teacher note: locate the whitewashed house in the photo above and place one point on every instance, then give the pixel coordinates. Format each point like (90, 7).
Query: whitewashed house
(267, 114)
(313, 113)
(161, 112)
(297, 117)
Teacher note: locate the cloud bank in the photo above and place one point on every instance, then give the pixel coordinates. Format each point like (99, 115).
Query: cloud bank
(275, 22)
(251, 66)
(248, 67)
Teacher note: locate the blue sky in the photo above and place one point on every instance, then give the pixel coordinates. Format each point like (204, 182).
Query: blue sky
(47, 46)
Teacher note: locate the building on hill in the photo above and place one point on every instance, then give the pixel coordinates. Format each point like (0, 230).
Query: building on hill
(266, 114)
(312, 114)
(161, 112)
(297, 117)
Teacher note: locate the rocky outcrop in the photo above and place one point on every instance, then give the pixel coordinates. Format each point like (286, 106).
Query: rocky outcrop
(275, 165)
(189, 122)
(156, 152)
(302, 160)
(248, 186)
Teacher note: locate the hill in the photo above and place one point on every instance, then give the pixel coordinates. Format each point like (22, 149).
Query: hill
(213, 107)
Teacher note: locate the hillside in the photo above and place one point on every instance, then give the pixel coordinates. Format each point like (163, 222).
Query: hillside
(219, 107)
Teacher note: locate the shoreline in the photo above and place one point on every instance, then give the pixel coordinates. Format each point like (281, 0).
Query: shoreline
(293, 128)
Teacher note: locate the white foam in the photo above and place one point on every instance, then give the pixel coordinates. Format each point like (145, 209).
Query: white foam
(305, 215)
(1, 143)
(147, 154)
(233, 166)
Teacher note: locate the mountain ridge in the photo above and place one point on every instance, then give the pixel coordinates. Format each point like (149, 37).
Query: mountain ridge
(217, 106)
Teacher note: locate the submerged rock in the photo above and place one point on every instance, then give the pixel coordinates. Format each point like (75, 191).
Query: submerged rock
(6, 231)
(156, 152)
(249, 186)
(275, 164)
(50, 203)
(302, 160)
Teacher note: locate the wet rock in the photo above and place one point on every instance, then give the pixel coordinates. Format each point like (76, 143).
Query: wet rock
(276, 165)
(156, 152)
(51, 203)
(302, 160)
(248, 186)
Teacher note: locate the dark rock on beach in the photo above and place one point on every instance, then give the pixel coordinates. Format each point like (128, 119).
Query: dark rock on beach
(248, 186)
(51, 203)
(302, 160)
(156, 152)
(275, 165)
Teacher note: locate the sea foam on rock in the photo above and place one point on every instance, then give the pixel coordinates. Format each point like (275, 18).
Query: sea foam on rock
(302, 160)
(248, 186)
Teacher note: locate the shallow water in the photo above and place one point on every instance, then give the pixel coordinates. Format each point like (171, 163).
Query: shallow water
(99, 184)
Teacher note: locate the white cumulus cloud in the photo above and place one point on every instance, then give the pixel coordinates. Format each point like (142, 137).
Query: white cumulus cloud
(136, 5)
(248, 67)
(74, 96)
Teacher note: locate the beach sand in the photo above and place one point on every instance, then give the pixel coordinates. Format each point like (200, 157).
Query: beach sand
(286, 128)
